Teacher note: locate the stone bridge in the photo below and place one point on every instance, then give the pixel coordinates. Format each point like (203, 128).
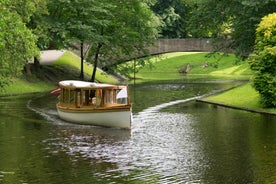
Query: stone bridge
(181, 45)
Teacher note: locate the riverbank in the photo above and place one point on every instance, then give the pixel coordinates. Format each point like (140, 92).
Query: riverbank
(208, 68)
(193, 66)
(45, 78)
(164, 68)
(244, 97)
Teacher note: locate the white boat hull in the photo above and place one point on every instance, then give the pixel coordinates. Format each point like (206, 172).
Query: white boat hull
(116, 119)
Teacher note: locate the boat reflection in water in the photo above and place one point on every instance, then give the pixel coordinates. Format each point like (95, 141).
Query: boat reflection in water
(94, 104)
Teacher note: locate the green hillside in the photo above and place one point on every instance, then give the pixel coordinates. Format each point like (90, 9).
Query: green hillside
(202, 66)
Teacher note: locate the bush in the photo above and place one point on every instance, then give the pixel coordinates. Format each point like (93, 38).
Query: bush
(263, 61)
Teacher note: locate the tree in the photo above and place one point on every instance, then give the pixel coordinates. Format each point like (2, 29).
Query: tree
(173, 15)
(263, 61)
(235, 20)
(77, 21)
(130, 27)
(17, 42)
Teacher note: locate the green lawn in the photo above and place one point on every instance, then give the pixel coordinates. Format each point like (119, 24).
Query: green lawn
(20, 85)
(166, 67)
(68, 58)
(244, 96)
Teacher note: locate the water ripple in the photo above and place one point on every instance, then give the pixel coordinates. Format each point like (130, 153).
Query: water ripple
(161, 145)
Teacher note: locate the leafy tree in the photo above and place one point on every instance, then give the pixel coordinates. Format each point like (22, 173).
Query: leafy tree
(263, 62)
(76, 21)
(129, 29)
(111, 29)
(17, 42)
(235, 20)
(173, 15)
(37, 23)
(50, 27)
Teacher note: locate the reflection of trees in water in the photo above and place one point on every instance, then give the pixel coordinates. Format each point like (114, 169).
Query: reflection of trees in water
(184, 142)
(148, 95)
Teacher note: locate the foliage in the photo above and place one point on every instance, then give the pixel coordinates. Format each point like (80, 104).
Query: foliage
(37, 23)
(263, 62)
(17, 42)
(131, 27)
(173, 15)
(231, 20)
(111, 29)
(77, 21)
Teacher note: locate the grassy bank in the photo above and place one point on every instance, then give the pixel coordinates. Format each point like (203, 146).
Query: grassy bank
(70, 59)
(243, 97)
(21, 85)
(203, 66)
(45, 78)
(164, 68)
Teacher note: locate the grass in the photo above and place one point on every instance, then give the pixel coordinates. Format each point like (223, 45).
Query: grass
(72, 60)
(46, 77)
(20, 85)
(219, 67)
(244, 96)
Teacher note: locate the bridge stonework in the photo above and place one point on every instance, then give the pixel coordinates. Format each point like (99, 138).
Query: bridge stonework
(181, 45)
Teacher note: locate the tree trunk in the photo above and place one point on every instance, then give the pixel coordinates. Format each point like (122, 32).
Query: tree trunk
(28, 69)
(82, 59)
(96, 62)
(36, 63)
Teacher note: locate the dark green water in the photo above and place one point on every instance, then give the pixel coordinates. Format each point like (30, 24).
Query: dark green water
(173, 139)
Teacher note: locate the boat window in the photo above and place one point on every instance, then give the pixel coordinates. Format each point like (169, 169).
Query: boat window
(89, 97)
(67, 96)
(78, 98)
(61, 96)
(98, 97)
(121, 96)
(72, 96)
(109, 96)
(122, 101)
(86, 97)
(92, 97)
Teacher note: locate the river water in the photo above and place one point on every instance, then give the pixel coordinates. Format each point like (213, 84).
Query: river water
(173, 139)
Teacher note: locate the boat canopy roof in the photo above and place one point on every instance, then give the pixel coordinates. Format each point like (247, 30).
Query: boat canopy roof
(83, 84)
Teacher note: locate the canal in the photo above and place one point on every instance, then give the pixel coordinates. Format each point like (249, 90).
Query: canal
(173, 139)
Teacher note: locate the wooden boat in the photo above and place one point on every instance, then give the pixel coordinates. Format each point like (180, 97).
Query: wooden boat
(94, 104)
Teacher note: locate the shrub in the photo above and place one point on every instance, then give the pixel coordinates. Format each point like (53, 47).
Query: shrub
(263, 61)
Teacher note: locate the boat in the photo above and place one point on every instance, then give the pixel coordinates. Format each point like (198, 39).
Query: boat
(92, 103)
